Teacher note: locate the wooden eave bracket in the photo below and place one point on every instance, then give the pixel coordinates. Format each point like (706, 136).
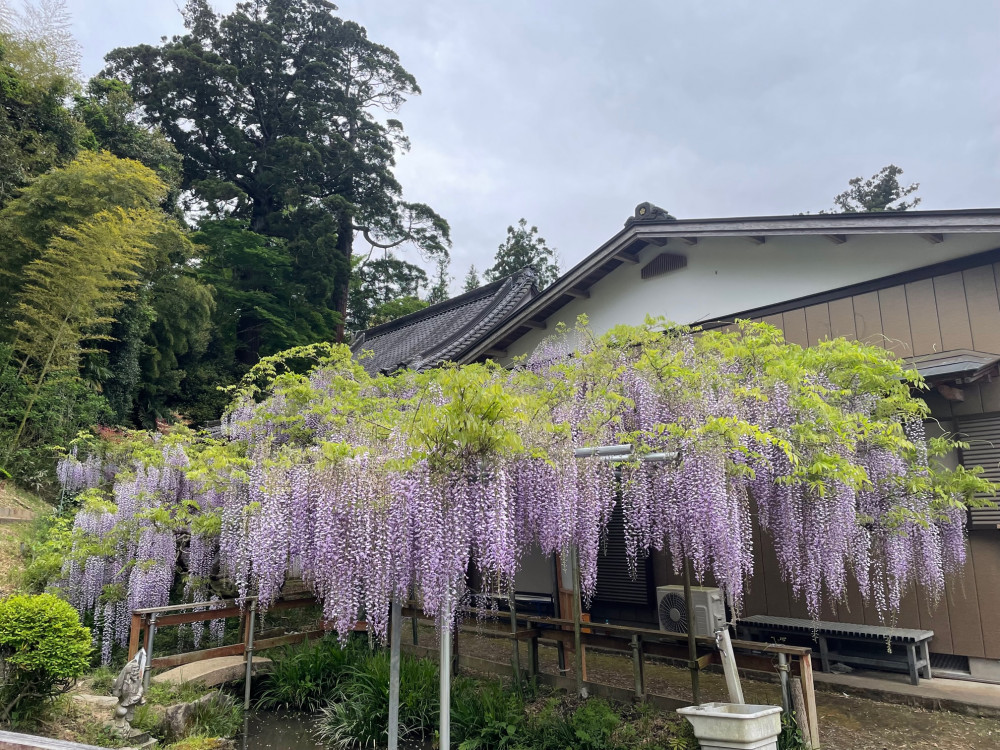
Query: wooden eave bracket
(578, 293)
(933, 238)
(836, 239)
(627, 258)
(689, 240)
(757, 239)
(539, 324)
(495, 353)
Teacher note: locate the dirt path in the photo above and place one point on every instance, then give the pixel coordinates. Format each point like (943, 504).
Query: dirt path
(846, 722)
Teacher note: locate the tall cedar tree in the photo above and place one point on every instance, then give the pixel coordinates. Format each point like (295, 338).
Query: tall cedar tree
(273, 109)
(523, 247)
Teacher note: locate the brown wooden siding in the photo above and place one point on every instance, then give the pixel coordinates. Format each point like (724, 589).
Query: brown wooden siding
(958, 310)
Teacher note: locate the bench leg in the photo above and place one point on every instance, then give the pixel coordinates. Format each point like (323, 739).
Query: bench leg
(824, 654)
(911, 659)
(925, 651)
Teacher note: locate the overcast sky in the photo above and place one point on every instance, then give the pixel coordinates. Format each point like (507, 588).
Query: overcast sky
(571, 113)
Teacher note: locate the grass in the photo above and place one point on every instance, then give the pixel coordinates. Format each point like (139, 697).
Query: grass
(303, 677)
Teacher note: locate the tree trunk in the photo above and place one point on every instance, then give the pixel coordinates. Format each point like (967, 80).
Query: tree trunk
(345, 249)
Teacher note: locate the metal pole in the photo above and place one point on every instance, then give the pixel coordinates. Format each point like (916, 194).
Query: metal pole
(516, 653)
(444, 728)
(786, 698)
(692, 644)
(249, 653)
(725, 645)
(395, 635)
(150, 632)
(577, 606)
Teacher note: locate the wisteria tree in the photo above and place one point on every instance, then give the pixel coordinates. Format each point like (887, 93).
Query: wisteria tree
(377, 487)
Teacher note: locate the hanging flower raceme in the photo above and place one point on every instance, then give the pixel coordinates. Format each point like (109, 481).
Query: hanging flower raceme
(372, 488)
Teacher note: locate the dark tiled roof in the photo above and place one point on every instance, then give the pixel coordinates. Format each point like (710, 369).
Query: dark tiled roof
(443, 332)
(965, 365)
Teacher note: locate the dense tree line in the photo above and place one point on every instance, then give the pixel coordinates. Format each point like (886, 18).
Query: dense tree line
(193, 208)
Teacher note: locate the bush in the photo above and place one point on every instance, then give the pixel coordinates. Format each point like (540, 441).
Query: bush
(359, 713)
(43, 649)
(486, 716)
(304, 677)
(221, 716)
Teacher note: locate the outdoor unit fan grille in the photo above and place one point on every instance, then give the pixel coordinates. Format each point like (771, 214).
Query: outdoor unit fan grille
(673, 613)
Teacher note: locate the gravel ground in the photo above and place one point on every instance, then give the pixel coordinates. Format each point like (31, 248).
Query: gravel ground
(846, 723)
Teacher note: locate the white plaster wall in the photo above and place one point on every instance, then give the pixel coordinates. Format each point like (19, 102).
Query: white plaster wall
(729, 274)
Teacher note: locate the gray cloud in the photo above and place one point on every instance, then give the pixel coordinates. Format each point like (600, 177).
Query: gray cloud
(570, 113)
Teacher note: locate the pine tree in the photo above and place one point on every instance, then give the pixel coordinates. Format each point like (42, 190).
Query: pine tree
(523, 247)
(471, 280)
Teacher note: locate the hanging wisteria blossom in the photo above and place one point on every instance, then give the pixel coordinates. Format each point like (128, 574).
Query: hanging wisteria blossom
(373, 487)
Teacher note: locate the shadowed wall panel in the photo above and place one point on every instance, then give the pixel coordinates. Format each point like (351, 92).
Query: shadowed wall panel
(922, 310)
(794, 326)
(984, 308)
(895, 320)
(868, 319)
(818, 323)
(953, 312)
(842, 318)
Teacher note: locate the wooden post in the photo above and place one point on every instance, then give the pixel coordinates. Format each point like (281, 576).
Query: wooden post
(133, 636)
(801, 713)
(515, 661)
(640, 690)
(533, 656)
(692, 643)
(579, 662)
(809, 693)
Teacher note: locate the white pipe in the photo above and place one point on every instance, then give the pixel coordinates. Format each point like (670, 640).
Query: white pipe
(444, 729)
(621, 453)
(725, 645)
(395, 628)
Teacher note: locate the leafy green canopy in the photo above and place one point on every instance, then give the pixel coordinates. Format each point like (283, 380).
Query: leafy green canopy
(523, 247)
(43, 649)
(276, 110)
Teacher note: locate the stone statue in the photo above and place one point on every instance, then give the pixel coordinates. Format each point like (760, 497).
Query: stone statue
(127, 688)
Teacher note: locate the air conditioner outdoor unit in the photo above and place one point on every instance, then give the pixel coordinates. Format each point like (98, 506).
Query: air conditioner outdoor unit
(709, 609)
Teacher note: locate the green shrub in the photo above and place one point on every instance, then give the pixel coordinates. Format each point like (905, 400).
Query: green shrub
(486, 716)
(101, 680)
(220, 717)
(43, 649)
(304, 677)
(359, 713)
(166, 694)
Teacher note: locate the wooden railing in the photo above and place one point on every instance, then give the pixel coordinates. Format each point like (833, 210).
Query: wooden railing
(640, 643)
(146, 621)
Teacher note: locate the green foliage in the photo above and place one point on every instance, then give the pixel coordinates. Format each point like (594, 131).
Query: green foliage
(877, 193)
(486, 716)
(43, 649)
(523, 247)
(291, 87)
(791, 736)
(62, 407)
(37, 132)
(359, 712)
(164, 694)
(397, 308)
(471, 280)
(221, 716)
(49, 542)
(304, 677)
(384, 289)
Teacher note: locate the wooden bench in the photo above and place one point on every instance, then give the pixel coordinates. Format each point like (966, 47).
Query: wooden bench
(762, 627)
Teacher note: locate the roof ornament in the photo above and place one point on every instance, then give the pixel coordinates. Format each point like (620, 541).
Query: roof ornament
(649, 212)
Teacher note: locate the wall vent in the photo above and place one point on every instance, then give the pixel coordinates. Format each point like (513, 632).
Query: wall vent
(663, 263)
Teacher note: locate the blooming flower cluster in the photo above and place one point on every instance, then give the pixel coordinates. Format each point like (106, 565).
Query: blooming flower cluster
(371, 488)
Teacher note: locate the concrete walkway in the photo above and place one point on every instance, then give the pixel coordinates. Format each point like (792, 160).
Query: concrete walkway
(212, 672)
(972, 698)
